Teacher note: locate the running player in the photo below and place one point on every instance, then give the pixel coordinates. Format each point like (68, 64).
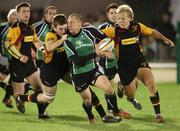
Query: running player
(20, 40)
(131, 62)
(80, 51)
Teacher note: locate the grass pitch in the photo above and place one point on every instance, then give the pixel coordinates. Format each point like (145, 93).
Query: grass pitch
(67, 114)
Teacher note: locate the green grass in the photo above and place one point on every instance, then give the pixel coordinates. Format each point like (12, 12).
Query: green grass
(67, 114)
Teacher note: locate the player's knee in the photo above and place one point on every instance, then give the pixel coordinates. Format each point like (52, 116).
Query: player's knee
(49, 98)
(151, 86)
(109, 90)
(87, 100)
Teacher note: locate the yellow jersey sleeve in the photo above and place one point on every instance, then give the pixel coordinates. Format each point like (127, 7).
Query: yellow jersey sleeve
(110, 32)
(48, 55)
(35, 38)
(145, 30)
(12, 36)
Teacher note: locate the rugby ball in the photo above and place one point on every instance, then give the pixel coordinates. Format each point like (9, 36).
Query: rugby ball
(106, 44)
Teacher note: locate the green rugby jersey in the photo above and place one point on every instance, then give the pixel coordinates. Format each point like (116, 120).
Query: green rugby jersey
(42, 28)
(80, 49)
(3, 33)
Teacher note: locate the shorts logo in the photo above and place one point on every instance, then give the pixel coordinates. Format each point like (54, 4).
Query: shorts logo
(15, 74)
(78, 88)
(46, 82)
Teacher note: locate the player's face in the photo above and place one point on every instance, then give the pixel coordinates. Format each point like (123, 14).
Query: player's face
(112, 15)
(24, 14)
(124, 19)
(13, 18)
(50, 14)
(60, 29)
(74, 25)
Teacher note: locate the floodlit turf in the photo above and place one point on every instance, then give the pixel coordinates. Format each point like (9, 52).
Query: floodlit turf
(67, 114)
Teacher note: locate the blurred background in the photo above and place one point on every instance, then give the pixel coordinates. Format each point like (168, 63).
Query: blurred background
(163, 15)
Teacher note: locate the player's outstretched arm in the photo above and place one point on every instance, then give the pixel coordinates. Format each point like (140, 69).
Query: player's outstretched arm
(156, 34)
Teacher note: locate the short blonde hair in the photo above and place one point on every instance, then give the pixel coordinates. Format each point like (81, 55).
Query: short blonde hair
(10, 13)
(126, 8)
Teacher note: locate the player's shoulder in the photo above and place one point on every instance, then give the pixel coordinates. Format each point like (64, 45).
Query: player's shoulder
(39, 23)
(104, 25)
(15, 25)
(90, 29)
(51, 34)
(4, 24)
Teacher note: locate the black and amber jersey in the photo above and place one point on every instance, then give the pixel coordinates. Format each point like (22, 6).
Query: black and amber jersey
(56, 58)
(22, 36)
(129, 41)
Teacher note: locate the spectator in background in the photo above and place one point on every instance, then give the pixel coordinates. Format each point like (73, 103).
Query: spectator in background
(168, 30)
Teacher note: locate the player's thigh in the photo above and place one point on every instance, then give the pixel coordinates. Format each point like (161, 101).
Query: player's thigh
(34, 80)
(131, 88)
(86, 95)
(103, 83)
(146, 76)
(49, 90)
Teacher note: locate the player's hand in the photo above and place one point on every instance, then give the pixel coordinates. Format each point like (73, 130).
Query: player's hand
(109, 55)
(169, 42)
(23, 59)
(64, 37)
(34, 54)
(98, 51)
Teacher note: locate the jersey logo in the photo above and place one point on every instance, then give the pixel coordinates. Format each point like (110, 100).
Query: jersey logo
(134, 28)
(28, 38)
(78, 42)
(130, 41)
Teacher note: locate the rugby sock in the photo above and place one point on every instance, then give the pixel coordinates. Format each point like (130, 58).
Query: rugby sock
(33, 98)
(100, 110)
(95, 99)
(96, 103)
(156, 102)
(27, 87)
(88, 110)
(112, 102)
(29, 97)
(42, 107)
(9, 91)
(109, 107)
(2, 85)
